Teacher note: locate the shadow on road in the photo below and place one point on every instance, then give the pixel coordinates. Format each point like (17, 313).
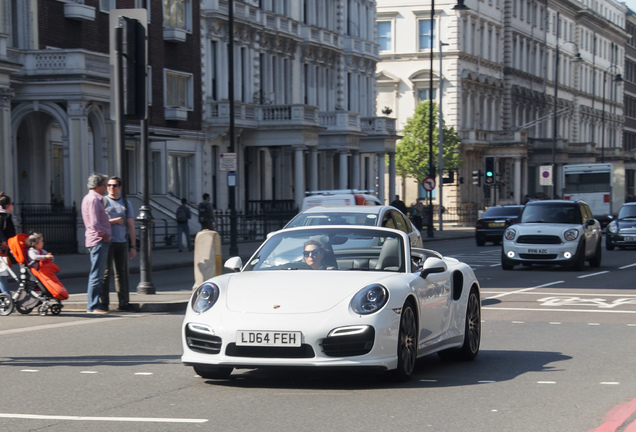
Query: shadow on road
(431, 372)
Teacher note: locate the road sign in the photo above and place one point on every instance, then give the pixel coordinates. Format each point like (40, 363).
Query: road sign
(227, 162)
(428, 183)
(545, 175)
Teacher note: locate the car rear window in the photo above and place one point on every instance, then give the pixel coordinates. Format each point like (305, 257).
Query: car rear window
(502, 212)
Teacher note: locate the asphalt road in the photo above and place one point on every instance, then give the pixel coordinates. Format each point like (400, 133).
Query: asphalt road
(558, 354)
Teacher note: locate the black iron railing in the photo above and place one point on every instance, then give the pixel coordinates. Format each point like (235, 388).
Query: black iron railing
(56, 222)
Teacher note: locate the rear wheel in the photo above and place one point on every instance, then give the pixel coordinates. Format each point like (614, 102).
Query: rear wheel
(472, 332)
(212, 372)
(6, 304)
(480, 242)
(407, 344)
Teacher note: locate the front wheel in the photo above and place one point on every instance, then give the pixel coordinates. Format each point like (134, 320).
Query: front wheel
(6, 304)
(608, 244)
(596, 261)
(579, 260)
(407, 344)
(506, 264)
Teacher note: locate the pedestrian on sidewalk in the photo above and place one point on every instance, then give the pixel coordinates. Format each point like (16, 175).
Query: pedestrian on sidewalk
(7, 230)
(98, 235)
(206, 213)
(122, 247)
(183, 214)
(399, 204)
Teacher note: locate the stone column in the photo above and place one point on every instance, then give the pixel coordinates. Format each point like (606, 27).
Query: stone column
(81, 154)
(517, 185)
(344, 171)
(299, 175)
(356, 170)
(7, 174)
(313, 166)
(381, 172)
(392, 191)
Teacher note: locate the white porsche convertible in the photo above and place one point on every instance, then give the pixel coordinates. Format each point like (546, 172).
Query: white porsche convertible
(335, 297)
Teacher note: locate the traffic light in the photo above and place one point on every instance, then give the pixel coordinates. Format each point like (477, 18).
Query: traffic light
(489, 170)
(477, 177)
(132, 46)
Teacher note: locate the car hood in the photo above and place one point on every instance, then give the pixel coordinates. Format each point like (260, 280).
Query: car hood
(294, 291)
(628, 224)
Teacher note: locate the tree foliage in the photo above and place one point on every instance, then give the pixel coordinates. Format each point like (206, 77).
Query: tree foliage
(413, 149)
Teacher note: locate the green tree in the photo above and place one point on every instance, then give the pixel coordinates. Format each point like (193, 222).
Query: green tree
(411, 159)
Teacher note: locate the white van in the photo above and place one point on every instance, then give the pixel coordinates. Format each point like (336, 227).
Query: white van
(339, 197)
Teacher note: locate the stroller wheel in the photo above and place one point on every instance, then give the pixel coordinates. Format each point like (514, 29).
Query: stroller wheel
(23, 310)
(6, 304)
(43, 309)
(56, 309)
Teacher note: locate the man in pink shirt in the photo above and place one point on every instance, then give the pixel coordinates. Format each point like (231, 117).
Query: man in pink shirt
(98, 235)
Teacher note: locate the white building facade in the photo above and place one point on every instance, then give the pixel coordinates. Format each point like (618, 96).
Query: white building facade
(498, 78)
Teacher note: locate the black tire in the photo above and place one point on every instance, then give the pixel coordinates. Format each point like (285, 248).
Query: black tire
(43, 309)
(6, 304)
(608, 244)
(56, 309)
(407, 344)
(598, 255)
(472, 332)
(23, 310)
(579, 259)
(506, 264)
(212, 372)
(480, 242)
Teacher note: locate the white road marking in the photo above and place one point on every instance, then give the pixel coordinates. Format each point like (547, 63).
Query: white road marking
(30, 370)
(609, 383)
(555, 323)
(143, 373)
(516, 322)
(557, 310)
(88, 372)
(546, 382)
(594, 324)
(486, 382)
(428, 381)
(562, 294)
(592, 274)
(627, 266)
(60, 325)
(119, 419)
(509, 293)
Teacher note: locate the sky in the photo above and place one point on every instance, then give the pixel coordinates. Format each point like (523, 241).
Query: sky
(630, 4)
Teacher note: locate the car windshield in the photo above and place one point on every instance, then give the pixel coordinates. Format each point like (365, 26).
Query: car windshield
(503, 212)
(333, 218)
(627, 211)
(331, 249)
(565, 213)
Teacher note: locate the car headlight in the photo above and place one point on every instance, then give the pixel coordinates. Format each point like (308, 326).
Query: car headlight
(613, 227)
(370, 299)
(571, 234)
(510, 234)
(204, 297)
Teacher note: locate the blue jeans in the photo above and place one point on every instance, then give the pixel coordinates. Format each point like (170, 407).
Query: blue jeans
(99, 255)
(183, 229)
(4, 284)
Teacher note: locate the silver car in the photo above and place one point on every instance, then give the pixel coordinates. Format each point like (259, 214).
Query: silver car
(381, 216)
(553, 232)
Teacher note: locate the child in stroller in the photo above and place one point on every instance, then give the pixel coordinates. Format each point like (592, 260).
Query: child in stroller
(38, 284)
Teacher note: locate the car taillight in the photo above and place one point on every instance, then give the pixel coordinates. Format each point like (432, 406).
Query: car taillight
(479, 225)
(360, 200)
(566, 197)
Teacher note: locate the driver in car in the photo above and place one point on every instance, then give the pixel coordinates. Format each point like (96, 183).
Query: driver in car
(313, 253)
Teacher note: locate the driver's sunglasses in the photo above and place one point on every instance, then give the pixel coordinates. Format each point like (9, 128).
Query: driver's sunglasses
(313, 253)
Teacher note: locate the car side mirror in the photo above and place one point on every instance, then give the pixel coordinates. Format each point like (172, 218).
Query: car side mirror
(590, 222)
(433, 265)
(233, 264)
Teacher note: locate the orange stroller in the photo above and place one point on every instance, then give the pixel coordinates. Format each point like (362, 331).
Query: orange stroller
(37, 287)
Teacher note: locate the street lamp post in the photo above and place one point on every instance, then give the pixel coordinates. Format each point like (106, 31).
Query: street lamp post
(617, 78)
(431, 168)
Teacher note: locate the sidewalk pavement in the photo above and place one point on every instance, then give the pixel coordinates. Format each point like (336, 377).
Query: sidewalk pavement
(175, 298)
